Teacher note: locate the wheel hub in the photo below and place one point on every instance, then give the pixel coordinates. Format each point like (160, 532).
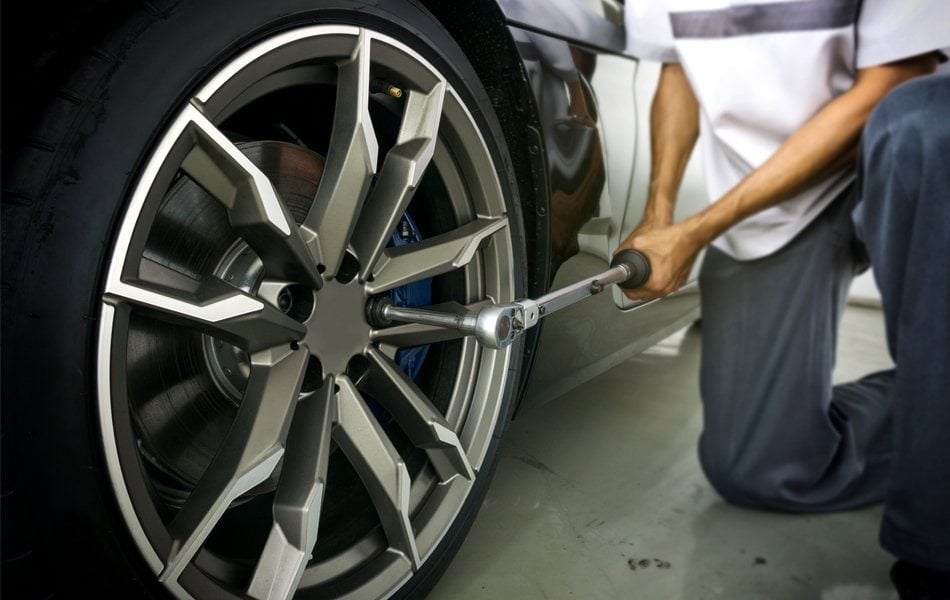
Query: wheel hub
(338, 330)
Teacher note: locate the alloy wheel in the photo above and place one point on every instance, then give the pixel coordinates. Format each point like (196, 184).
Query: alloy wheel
(262, 438)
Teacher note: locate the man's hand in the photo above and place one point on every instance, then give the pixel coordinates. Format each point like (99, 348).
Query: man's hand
(672, 250)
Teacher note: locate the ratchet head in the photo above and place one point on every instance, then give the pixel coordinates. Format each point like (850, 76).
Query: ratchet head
(498, 326)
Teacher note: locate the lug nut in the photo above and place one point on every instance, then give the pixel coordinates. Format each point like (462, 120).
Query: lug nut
(285, 300)
(375, 311)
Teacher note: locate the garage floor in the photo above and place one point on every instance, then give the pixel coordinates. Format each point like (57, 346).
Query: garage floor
(599, 495)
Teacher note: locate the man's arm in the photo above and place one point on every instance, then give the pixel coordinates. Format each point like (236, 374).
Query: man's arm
(822, 146)
(674, 127)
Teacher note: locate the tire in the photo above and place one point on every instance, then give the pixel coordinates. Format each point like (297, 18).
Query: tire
(194, 401)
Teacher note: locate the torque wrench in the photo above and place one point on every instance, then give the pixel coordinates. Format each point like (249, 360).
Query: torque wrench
(499, 325)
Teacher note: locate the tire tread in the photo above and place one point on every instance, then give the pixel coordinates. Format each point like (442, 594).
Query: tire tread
(38, 164)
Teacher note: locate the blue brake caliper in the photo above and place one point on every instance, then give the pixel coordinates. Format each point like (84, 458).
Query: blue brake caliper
(412, 295)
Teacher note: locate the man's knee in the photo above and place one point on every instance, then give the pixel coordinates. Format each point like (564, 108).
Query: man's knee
(909, 114)
(735, 485)
(903, 145)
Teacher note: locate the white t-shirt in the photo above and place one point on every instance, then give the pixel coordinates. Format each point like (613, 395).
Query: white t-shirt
(761, 69)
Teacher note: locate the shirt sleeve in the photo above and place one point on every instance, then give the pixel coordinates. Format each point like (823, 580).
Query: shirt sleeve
(649, 33)
(890, 30)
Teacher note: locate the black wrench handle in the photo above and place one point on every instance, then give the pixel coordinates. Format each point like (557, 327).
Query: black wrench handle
(638, 265)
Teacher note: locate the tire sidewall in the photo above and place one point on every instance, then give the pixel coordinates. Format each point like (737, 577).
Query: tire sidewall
(157, 67)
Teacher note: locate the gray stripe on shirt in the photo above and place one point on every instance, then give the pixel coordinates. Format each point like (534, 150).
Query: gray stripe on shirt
(807, 15)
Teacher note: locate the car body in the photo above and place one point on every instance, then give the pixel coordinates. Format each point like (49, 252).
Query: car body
(199, 201)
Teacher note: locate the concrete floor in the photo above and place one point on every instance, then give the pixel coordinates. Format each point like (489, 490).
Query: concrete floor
(599, 495)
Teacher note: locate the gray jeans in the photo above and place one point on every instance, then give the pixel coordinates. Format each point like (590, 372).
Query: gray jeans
(777, 434)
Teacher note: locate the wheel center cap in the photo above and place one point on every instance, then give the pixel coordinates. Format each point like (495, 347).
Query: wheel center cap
(338, 330)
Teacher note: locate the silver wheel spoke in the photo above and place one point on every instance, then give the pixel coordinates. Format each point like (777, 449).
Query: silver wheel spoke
(413, 334)
(379, 466)
(211, 306)
(299, 498)
(351, 161)
(421, 421)
(255, 210)
(400, 175)
(440, 254)
(247, 457)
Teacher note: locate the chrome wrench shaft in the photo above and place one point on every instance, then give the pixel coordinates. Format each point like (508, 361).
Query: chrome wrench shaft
(499, 325)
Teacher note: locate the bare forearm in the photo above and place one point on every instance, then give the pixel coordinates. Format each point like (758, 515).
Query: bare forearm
(823, 146)
(674, 127)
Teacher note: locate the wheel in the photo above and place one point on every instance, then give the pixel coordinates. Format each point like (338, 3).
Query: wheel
(196, 403)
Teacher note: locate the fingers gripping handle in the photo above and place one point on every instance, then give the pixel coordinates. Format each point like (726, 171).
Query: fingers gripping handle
(637, 264)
